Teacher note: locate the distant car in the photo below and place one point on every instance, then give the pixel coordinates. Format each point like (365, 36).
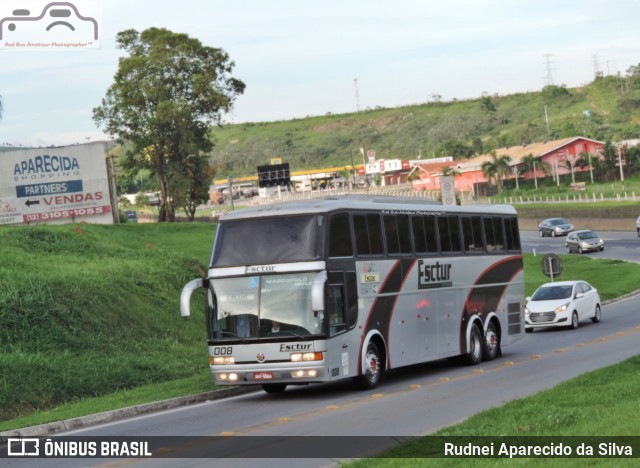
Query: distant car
(554, 227)
(583, 241)
(562, 304)
(638, 226)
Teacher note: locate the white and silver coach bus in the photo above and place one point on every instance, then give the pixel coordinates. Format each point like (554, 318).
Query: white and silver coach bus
(350, 286)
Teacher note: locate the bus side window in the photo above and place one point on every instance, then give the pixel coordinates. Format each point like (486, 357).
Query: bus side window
(340, 236)
(449, 229)
(472, 232)
(335, 309)
(494, 235)
(512, 234)
(424, 234)
(396, 230)
(368, 231)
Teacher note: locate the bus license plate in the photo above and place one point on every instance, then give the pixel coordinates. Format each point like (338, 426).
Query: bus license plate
(263, 375)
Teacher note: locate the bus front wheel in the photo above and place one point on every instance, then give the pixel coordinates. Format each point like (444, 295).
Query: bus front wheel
(274, 387)
(373, 368)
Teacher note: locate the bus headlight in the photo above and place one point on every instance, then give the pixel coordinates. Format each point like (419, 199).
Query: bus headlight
(232, 376)
(298, 357)
(221, 360)
(299, 374)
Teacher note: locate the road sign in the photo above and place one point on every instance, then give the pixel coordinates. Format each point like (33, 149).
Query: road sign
(371, 155)
(551, 265)
(447, 190)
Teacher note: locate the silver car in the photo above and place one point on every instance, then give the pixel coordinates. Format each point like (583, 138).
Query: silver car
(583, 241)
(554, 227)
(638, 226)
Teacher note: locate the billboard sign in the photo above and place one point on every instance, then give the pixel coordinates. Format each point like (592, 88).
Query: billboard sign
(64, 184)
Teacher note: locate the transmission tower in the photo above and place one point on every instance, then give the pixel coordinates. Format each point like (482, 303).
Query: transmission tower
(355, 80)
(596, 66)
(548, 61)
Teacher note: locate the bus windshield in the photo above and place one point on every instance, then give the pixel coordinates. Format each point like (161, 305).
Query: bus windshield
(260, 241)
(265, 306)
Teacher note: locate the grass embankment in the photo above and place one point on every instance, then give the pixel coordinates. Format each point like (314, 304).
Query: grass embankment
(87, 311)
(89, 316)
(599, 403)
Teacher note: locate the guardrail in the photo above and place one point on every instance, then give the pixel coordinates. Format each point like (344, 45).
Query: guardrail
(282, 197)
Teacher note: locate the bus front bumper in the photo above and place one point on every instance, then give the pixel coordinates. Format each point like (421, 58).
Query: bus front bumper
(265, 374)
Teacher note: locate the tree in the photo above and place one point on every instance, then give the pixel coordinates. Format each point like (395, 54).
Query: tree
(450, 171)
(531, 164)
(166, 93)
(193, 189)
(606, 166)
(496, 169)
(486, 104)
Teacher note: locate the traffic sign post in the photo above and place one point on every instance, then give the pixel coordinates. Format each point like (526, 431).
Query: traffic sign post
(551, 266)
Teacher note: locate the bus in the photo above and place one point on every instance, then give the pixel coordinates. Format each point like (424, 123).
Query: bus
(352, 286)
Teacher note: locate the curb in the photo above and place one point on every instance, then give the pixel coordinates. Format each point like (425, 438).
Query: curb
(123, 413)
(620, 298)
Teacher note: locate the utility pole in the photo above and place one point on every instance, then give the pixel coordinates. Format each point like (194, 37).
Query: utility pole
(546, 118)
(620, 164)
(355, 80)
(353, 169)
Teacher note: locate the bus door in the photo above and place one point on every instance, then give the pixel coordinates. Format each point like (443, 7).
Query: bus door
(342, 311)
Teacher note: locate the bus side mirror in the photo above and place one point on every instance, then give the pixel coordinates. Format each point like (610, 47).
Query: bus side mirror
(317, 291)
(185, 297)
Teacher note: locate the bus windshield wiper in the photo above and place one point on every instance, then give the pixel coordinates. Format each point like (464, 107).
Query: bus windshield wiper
(232, 334)
(292, 332)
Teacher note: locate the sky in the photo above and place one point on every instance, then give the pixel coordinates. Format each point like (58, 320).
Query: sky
(302, 58)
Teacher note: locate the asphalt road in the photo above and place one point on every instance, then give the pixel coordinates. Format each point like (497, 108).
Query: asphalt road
(618, 245)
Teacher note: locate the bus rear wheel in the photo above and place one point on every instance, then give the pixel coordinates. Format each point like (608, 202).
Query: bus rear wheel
(476, 345)
(274, 387)
(373, 368)
(491, 343)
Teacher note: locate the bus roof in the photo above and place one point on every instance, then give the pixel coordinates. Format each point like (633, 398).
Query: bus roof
(361, 202)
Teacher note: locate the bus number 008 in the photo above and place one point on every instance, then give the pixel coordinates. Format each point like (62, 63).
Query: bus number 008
(223, 350)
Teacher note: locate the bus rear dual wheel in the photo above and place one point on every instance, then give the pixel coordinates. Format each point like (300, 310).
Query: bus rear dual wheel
(487, 348)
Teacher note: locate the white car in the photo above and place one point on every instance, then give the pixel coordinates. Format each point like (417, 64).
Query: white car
(562, 304)
(638, 226)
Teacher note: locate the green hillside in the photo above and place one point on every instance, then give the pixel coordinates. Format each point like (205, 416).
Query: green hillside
(87, 310)
(607, 108)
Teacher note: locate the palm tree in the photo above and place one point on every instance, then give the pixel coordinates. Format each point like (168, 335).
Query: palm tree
(496, 169)
(450, 171)
(530, 164)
